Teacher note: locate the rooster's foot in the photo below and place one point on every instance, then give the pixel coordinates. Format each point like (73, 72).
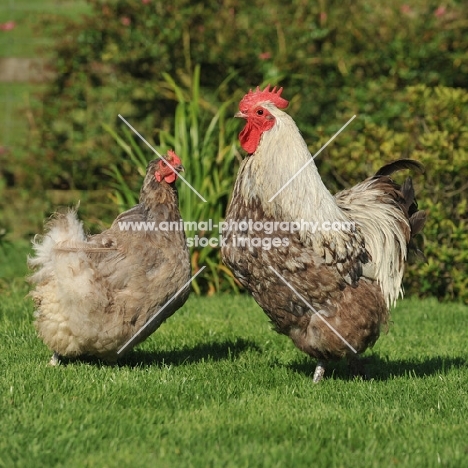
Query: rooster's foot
(319, 372)
(55, 359)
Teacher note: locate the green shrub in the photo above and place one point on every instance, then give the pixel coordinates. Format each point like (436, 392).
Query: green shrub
(200, 131)
(434, 131)
(333, 59)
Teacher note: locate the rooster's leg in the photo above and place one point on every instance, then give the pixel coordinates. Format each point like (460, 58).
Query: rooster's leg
(55, 359)
(319, 371)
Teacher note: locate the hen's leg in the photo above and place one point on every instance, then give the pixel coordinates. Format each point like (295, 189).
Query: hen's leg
(319, 371)
(55, 359)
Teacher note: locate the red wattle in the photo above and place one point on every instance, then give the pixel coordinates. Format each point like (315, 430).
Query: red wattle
(249, 138)
(171, 178)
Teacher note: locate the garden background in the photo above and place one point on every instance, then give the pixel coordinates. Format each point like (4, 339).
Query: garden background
(176, 71)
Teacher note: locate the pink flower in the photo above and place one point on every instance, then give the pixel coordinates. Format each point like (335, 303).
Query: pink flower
(405, 9)
(145, 1)
(440, 11)
(323, 17)
(264, 56)
(126, 21)
(8, 26)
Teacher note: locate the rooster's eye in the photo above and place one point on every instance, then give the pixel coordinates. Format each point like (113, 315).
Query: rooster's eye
(260, 112)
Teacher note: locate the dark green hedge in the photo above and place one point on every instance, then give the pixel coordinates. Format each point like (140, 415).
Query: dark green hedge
(334, 59)
(433, 130)
(379, 60)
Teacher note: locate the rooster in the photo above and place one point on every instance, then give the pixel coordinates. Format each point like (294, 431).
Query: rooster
(329, 290)
(101, 295)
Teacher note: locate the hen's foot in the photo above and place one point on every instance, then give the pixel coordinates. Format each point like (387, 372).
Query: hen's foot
(319, 372)
(54, 360)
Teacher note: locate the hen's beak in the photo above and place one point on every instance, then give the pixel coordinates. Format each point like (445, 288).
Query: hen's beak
(240, 115)
(179, 168)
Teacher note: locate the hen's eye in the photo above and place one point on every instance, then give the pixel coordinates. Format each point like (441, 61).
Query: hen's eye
(260, 112)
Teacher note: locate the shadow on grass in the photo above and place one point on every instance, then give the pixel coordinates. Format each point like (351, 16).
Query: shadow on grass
(381, 368)
(215, 351)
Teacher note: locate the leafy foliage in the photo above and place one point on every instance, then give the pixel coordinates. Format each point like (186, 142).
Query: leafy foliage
(200, 131)
(434, 131)
(334, 59)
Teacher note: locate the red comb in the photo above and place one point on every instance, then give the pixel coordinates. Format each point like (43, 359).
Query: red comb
(254, 97)
(172, 158)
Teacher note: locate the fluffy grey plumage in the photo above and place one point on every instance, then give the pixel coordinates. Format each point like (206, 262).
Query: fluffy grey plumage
(94, 293)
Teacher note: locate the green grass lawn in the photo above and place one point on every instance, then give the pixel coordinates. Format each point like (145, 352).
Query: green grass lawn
(27, 35)
(29, 38)
(15, 100)
(215, 387)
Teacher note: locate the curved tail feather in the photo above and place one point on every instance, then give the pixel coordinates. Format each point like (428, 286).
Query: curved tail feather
(417, 218)
(399, 165)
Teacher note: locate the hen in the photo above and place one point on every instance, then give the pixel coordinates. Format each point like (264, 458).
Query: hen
(101, 295)
(325, 269)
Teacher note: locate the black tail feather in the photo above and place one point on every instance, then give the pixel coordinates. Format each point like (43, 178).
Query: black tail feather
(416, 218)
(408, 194)
(417, 222)
(399, 165)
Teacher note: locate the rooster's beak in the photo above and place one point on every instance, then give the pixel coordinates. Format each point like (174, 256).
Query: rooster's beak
(240, 115)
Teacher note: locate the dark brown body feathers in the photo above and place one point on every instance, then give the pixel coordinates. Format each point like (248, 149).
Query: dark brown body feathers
(331, 306)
